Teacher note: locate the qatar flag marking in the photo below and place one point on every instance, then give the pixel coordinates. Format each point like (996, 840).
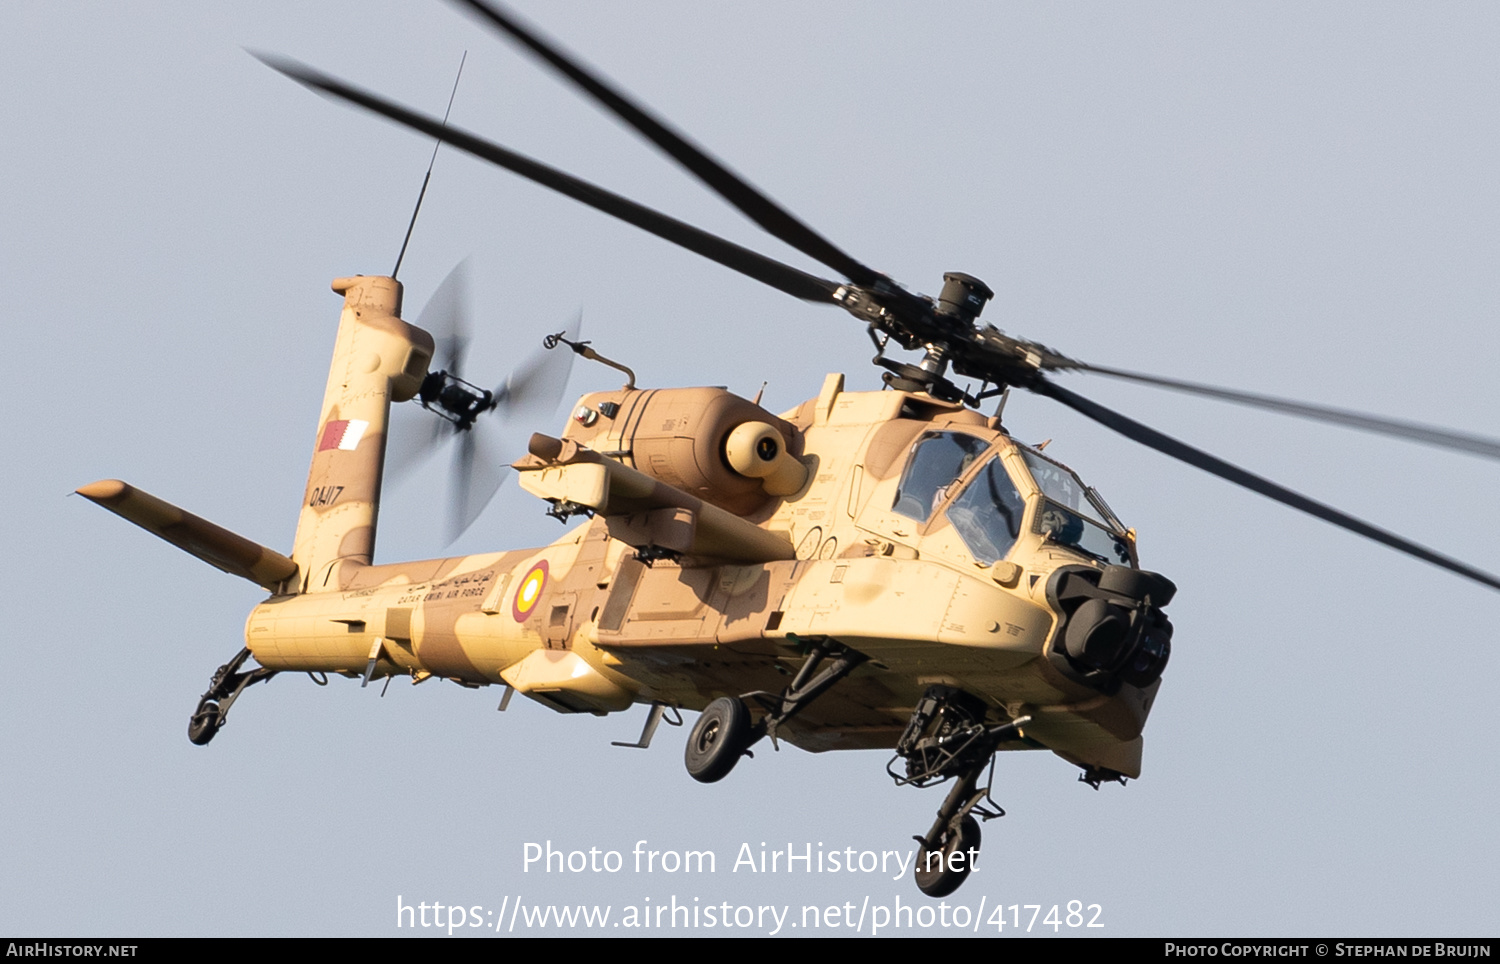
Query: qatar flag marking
(342, 434)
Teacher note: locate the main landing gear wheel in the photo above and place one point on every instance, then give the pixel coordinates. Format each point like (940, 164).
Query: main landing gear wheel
(718, 740)
(205, 723)
(938, 873)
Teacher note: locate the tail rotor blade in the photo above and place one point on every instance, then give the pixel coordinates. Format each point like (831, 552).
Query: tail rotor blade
(445, 318)
(532, 392)
(479, 466)
(413, 434)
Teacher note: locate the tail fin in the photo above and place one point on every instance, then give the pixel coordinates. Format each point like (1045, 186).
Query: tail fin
(377, 359)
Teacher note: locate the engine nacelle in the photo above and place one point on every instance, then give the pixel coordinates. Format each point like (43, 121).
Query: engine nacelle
(709, 442)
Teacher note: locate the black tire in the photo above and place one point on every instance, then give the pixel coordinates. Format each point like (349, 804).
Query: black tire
(718, 740)
(940, 878)
(205, 724)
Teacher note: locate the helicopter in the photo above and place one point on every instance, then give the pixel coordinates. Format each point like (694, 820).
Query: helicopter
(666, 536)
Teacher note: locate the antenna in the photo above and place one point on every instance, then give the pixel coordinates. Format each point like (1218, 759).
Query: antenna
(423, 193)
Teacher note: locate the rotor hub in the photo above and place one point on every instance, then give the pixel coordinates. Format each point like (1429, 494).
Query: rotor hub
(964, 296)
(454, 399)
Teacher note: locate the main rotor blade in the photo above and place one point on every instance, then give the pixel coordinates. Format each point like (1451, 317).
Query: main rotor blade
(1198, 458)
(1425, 434)
(797, 283)
(728, 185)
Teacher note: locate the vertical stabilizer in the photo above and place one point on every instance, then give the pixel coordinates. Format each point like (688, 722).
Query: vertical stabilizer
(377, 359)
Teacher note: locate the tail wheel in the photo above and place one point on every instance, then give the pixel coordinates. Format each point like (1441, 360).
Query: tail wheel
(718, 740)
(205, 723)
(938, 873)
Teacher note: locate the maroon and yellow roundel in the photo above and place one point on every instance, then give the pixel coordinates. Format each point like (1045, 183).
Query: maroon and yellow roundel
(529, 591)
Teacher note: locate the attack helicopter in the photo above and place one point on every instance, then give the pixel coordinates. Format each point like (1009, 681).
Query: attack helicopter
(925, 582)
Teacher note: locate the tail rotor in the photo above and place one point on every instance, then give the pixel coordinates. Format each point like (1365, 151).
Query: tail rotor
(449, 409)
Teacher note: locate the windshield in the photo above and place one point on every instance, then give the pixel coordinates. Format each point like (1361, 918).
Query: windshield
(987, 514)
(1072, 516)
(938, 460)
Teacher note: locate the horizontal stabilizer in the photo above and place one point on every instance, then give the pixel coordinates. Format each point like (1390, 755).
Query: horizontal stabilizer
(216, 546)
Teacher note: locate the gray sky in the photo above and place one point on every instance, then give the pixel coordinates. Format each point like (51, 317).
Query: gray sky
(1293, 198)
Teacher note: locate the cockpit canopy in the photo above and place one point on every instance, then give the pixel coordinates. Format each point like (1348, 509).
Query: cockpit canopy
(1072, 514)
(980, 489)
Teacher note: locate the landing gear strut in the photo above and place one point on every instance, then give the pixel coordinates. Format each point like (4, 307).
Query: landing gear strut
(225, 687)
(724, 732)
(948, 738)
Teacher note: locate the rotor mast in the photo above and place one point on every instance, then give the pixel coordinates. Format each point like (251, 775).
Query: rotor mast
(947, 334)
